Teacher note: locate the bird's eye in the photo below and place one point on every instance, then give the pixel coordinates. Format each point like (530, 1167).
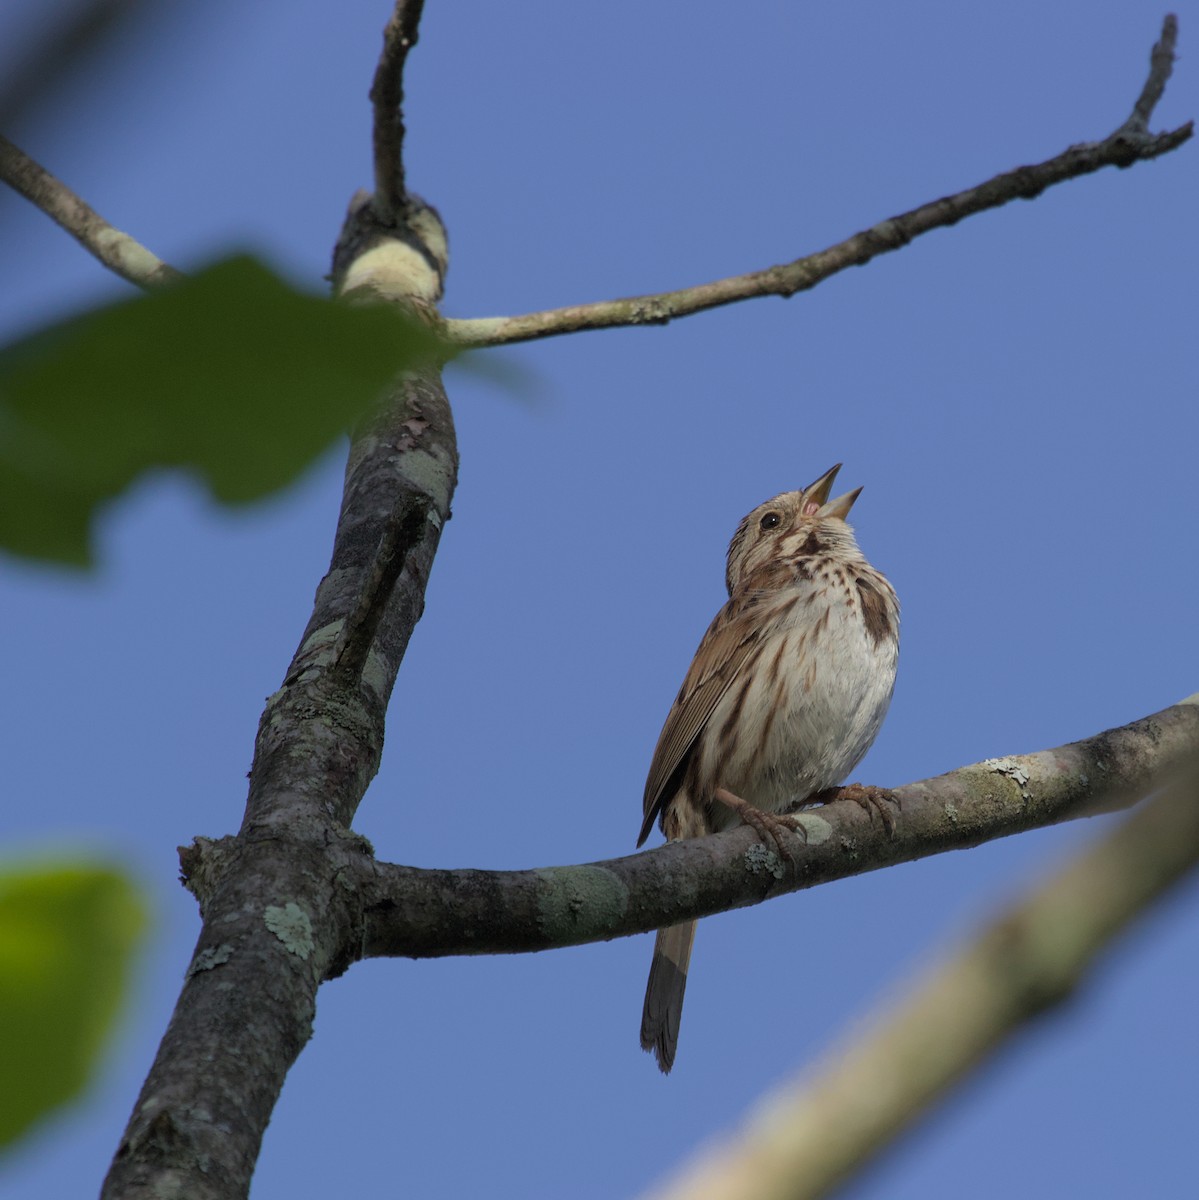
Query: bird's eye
(770, 520)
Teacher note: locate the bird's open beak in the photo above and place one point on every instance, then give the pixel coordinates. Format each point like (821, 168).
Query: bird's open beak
(841, 506)
(817, 503)
(817, 493)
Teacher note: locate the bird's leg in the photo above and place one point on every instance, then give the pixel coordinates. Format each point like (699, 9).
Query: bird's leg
(767, 825)
(871, 799)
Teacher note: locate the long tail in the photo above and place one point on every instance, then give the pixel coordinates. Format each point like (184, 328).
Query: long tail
(664, 993)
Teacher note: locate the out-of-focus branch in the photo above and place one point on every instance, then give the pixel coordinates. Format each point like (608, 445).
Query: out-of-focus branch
(812, 1134)
(1129, 144)
(116, 250)
(387, 98)
(46, 61)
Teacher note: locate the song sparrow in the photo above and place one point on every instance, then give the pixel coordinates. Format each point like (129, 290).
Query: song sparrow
(785, 694)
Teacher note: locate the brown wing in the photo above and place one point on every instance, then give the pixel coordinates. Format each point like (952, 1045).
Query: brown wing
(730, 640)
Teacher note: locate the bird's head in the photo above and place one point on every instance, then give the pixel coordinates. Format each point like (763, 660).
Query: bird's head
(790, 526)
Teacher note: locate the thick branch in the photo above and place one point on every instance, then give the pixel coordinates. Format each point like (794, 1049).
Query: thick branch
(278, 920)
(116, 250)
(387, 98)
(813, 1133)
(1129, 144)
(423, 913)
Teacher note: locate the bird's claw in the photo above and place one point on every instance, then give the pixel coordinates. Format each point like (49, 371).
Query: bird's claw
(873, 800)
(767, 825)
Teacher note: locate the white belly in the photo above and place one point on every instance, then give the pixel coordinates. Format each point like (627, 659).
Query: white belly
(807, 726)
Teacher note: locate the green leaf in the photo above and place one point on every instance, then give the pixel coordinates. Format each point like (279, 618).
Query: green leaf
(67, 935)
(231, 374)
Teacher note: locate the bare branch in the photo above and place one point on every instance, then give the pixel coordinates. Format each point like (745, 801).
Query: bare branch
(1129, 144)
(116, 250)
(428, 913)
(813, 1133)
(387, 98)
(1161, 66)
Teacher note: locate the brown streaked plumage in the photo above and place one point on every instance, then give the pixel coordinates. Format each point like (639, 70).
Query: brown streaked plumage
(785, 694)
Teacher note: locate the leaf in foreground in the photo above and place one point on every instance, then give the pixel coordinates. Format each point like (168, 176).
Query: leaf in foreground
(67, 936)
(232, 375)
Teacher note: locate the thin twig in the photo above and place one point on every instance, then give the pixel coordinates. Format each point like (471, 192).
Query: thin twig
(1128, 144)
(1161, 65)
(116, 250)
(402, 533)
(815, 1132)
(387, 98)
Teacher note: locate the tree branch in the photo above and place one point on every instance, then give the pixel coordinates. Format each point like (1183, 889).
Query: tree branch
(430, 913)
(387, 98)
(1129, 144)
(116, 250)
(813, 1133)
(277, 918)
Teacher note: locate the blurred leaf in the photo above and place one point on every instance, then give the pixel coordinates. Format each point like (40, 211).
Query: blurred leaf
(231, 374)
(67, 936)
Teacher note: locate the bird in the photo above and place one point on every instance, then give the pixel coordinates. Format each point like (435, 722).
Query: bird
(785, 694)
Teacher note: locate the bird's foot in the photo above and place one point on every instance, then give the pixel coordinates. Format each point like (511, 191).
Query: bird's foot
(767, 825)
(871, 799)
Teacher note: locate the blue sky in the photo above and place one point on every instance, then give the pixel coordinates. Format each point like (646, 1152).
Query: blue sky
(1016, 394)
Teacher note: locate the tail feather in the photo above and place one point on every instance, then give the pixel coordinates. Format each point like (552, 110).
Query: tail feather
(664, 993)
